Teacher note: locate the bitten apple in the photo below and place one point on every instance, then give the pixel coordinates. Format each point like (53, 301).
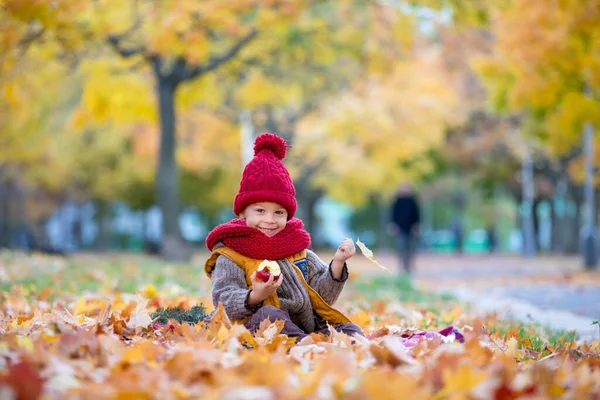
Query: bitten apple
(266, 269)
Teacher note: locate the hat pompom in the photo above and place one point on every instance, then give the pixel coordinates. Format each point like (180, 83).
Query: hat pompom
(269, 141)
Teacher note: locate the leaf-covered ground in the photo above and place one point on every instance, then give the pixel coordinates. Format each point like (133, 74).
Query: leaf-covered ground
(81, 327)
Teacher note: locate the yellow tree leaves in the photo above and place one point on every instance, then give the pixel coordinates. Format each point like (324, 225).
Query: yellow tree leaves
(112, 94)
(179, 41)
(258, 90)
(94, 163)
(546, 55)
(32, 104)
(566, 123)
(302, 51)
(363, 139)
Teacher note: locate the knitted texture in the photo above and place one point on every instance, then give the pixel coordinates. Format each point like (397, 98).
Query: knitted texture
(229, 287)
(252, 243)
(265, 178)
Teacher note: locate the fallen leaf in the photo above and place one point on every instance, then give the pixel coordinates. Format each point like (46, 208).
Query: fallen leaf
(360, 318)
(24, 380)
(391, 385)
(139, 317)
(462, 380)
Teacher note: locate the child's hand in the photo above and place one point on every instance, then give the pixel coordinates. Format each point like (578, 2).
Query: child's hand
(261, 290)
(344, 251)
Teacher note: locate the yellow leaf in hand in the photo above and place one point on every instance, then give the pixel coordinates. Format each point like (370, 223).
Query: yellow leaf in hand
(368, 253)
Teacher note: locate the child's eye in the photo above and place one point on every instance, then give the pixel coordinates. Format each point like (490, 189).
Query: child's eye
(260, 210)
(279, 212)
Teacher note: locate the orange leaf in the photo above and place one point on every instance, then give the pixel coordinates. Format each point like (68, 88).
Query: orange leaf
(511, 334)
(361, 318)
(44, 294)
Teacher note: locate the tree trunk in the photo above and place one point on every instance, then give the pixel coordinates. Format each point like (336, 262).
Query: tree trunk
(527, 205)
(77, 229)
(4, 214)
(167, 176)
(536, 223)
(308, 202)
(572, 223)
(589, 231)
(559, 209)
(102, 216)
(311, 217)
(555, 243)
(458, 226)
(307, 199)
(247, 133)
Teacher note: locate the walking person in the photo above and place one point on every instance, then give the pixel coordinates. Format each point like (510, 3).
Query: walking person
(406, 217)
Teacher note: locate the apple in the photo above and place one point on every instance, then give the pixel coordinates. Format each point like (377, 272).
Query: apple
(266, 269)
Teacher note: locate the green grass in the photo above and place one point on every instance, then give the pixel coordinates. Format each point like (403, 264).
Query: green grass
(400, 288)
(539, 335)
(115, 272)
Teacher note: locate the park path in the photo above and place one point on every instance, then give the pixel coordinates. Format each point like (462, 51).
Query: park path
(554, 291)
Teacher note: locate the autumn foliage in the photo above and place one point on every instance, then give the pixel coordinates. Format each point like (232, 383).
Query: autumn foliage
(105, 344)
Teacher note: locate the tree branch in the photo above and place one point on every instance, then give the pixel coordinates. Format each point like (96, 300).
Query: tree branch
(31, 35)
(115, 42)
(183, 73)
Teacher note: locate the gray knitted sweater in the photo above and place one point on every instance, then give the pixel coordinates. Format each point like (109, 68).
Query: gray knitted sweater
(229, 287)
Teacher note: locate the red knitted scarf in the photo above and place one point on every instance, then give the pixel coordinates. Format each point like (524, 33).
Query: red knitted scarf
(252, 243)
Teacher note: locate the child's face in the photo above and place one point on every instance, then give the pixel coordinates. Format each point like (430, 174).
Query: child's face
(269, 218)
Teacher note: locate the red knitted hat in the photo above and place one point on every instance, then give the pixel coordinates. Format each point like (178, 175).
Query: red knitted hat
(265, 178)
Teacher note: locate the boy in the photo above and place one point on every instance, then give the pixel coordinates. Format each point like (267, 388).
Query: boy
(266, 229)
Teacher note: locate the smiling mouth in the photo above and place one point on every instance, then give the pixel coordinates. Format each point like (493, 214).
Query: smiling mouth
(268, 230)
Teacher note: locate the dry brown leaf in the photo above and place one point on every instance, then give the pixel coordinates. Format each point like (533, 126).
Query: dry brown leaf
(281, 343)
(65, 315)
(139, 317)
(307, 354)
(248, 340)
(268, 329)
(218, 321)
(104, 319)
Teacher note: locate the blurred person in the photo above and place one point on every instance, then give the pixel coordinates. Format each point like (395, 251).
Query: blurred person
(492, 238)
(459, 234)
(406, 217)
(306, 288)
